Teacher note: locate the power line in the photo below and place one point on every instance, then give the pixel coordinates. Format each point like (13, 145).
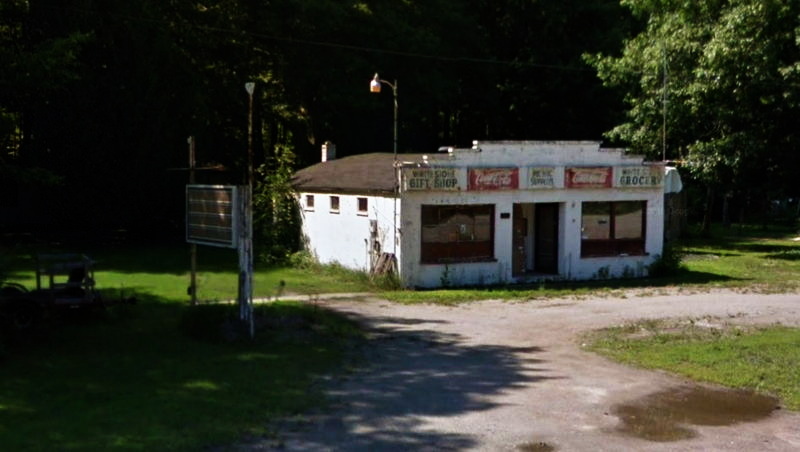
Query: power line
(329, 44)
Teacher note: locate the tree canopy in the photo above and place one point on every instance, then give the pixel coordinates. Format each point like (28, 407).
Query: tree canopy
(98, 97)
(715, 85)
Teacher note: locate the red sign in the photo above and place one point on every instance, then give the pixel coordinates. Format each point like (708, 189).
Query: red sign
(493, 178)
(581, 177)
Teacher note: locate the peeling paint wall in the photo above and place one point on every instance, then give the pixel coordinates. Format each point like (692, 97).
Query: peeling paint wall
(526, 155)
(537, 172)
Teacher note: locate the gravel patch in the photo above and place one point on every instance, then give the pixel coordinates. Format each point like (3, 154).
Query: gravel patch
(513, 376)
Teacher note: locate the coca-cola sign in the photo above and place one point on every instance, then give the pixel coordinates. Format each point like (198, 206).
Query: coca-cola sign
(493, 178)
(588, 177)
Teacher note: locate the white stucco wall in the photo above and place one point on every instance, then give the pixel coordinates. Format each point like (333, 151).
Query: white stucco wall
(344, 237)
(558, 155)
(570, 263)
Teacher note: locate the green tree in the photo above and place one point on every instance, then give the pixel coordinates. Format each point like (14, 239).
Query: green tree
(713, 84)
(548, 91)
(33, 67)
(276, 222)
(105, 92)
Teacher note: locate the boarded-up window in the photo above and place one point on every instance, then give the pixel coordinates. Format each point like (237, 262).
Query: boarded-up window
(613, 228)
(462, 233)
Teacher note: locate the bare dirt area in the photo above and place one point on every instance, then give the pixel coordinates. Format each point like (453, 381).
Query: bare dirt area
(497, 375)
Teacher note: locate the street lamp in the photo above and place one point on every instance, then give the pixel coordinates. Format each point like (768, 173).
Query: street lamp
(375, 87)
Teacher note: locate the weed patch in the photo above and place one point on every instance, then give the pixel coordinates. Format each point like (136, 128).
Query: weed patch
(765, 359)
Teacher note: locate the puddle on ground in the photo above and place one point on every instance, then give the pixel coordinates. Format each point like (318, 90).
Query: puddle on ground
(665, 416)
(537, 446)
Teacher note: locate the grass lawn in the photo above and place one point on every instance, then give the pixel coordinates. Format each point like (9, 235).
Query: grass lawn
(745, 258)
(164, 272)
(159, 375)
(765, 359)
(146, 378)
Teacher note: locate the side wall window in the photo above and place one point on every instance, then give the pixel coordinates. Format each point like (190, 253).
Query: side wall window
(613, 228)
(335, 204)
(463, 233)
(363, 205)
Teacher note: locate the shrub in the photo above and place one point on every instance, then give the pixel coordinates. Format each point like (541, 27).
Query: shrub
(387, 281)
(302, 260)
(668, 263)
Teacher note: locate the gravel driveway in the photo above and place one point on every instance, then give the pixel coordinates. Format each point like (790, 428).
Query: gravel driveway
(497, 375)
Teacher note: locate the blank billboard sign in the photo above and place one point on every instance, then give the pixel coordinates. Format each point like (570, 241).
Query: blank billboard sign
(211, 215)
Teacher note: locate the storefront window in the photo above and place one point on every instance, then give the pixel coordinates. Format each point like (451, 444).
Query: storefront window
(613, 228)
(457, 233)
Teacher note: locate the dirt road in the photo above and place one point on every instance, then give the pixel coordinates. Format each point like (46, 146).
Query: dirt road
(499, 375)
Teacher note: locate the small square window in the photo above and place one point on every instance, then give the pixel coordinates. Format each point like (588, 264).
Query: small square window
(335, 204)
(309, 202)
(362, 206)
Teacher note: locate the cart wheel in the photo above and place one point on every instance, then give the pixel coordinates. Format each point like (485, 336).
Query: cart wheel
(24, 315)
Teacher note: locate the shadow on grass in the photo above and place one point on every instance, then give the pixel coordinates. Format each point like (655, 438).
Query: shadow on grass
(413, 371)
(125, 258)
(692, 253)
(756, 241)
(788, 255)
(690, 277)
(164, 259)
(765, 248)
(132, 380)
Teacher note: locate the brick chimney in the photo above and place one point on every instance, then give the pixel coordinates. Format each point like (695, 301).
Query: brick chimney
(328, 151)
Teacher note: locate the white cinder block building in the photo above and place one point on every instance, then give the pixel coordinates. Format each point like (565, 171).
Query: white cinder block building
(500, 212)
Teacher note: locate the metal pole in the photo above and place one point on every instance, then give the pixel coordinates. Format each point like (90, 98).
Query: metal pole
(664, 109)
(250, 87)
(394, 92)
(193, 246)
(395, 170)
(375, 87)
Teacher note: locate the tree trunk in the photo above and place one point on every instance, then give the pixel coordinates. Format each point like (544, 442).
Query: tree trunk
(726, 211)
(705, 229)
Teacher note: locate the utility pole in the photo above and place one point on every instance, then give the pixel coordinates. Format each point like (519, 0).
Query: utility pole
(664, 107)
(193, 246)
(246, 260)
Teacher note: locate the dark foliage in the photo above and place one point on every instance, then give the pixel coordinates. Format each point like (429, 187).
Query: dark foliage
(101, 95)
(669, 263)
